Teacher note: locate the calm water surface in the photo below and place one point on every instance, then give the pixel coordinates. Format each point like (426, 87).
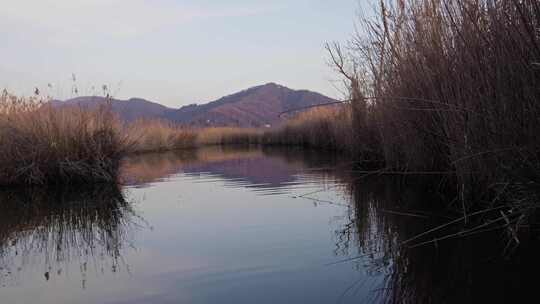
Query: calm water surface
(230, 226)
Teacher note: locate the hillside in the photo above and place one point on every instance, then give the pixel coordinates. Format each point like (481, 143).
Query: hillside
(254, 107)
(129, 110)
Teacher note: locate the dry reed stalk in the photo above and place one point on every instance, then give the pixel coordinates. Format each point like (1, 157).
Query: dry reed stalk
(40, 144)
(451, 85)
(228, 136)
(158, 135)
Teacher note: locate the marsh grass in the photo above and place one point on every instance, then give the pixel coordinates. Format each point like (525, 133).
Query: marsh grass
(45, 145)
(320, 128)
(444, 86)
(452, 85)
(42, 145)
(228, 136)
(159, 135)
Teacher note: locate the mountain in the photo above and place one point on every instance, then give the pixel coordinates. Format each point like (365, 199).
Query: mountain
(254, 107)
(129, 110)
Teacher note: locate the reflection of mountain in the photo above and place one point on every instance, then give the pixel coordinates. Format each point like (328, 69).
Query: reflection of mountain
(57, 227)
(269, 169)
(146, 168)
(257, 171)
(248, 167)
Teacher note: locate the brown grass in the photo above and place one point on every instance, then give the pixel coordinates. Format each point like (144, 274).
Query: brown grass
(43, 145)
(158, 135)
(451, 85)
(445, 86)
(228, 136)
(321, 128)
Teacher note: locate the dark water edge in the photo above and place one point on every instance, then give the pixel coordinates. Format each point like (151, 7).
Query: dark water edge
(244, 225)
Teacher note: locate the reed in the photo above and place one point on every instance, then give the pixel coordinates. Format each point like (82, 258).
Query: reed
(451, 85)
(321, 128)
(43, 145)
(228, 136)
(442, 86)
(159, 135)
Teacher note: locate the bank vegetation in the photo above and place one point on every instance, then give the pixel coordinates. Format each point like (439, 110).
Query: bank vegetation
(447, 86)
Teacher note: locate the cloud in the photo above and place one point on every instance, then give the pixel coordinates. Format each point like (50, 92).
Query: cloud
(119, 18)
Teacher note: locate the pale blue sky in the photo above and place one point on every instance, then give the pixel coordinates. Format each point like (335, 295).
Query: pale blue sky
(171, 51)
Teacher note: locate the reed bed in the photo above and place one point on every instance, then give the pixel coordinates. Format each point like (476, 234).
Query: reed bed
(228, 136)
(42, 145)
(159, 135)
(448, 86)
(452, 85)
(45, 145)
(319, 128)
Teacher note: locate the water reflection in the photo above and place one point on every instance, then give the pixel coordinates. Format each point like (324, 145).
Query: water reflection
(270, 171)
(380, 214)
(50, 229)
(246, 226)
(388, 212)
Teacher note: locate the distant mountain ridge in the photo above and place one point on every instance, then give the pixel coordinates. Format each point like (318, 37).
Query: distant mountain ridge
(129, 110)
(253, 107)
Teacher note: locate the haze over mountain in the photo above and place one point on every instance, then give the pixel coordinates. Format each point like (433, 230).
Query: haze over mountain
(254, 107)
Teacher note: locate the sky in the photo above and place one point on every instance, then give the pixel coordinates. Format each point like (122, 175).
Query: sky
(174, 52)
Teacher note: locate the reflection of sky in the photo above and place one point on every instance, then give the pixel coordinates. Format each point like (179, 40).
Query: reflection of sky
(208, 241)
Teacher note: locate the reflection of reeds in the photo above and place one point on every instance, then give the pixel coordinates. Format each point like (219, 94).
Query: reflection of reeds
(451, 85)
(388, 212)
(391, 216)
(54, 227)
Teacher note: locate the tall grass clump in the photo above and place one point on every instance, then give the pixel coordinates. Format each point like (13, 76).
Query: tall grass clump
(228, 136)
(327, 128)
(42, 145)
(453, 86)
(159, 135)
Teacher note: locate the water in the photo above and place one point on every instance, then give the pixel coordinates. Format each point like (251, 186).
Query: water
(239, 226)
